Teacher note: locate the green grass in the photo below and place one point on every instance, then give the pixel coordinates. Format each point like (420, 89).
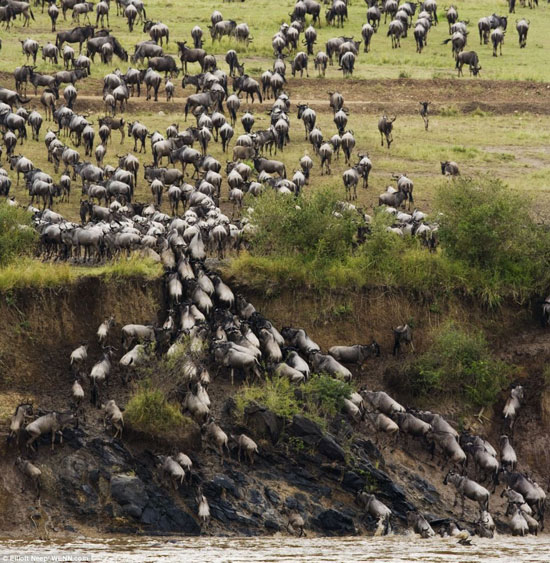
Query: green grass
(264, 18)
(491, 248)
(32, 273)
(320, 398)
(149, 412)
(459, 364)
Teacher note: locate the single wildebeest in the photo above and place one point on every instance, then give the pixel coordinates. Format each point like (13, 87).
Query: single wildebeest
(466, 488)
(452, 16)
(419, 524)
(270, 166)
(367, 31)
(469, 58)
(396, 30)
(22, 412)
(299, 64)
(424, 113)
(512, 406)
(449, 168)
(385, 126)
(522, 27)
(76, 35)
(402, 335)
(377, 509)
(497, 39)
(246, 84)
(53, 422)
(356, 354)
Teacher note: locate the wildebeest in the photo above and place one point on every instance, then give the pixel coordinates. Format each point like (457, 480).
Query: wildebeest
(76, 35)
(248, 85)
(497, 39)
(385, 127)
(424, 113)
(471, 59)
(522, 27)
(449, 168)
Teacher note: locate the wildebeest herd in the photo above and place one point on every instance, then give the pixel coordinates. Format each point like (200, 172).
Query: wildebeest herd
(221, 329)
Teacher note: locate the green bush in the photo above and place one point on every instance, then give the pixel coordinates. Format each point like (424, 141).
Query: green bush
(325, 394)
(488, 226)
(459, 363)
(17, 237)
(148, 411)
(305, 226)
(319, 398)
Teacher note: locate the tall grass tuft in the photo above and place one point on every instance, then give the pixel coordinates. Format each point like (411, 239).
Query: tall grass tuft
(148, 411)
(17, 237)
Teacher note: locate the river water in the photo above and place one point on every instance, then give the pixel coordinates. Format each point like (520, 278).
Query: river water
(393, 549)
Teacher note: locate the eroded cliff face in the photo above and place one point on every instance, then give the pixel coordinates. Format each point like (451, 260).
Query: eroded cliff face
(94, 484)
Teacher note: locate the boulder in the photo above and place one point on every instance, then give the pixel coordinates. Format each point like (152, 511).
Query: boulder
(129, 492)
(334, 522)
(329, 448)
(305, 429)
(263, 423)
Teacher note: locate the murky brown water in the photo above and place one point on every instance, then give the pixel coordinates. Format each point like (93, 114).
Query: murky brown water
(394, 549)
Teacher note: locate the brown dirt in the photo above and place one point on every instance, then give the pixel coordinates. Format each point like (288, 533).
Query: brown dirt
(371, 96)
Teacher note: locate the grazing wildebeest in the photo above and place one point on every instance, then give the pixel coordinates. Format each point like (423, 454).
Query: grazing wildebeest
(385, 126)
(471, 59)
(449, 168)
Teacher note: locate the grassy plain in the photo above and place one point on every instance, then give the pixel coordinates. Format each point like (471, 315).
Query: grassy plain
(265, 16)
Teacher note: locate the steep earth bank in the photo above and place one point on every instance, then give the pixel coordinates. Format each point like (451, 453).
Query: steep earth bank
(94, 483)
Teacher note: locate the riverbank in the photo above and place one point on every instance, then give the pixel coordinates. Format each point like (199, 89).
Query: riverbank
(97, 484)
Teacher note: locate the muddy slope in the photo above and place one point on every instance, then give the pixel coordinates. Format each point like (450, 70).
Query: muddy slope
(94, 484)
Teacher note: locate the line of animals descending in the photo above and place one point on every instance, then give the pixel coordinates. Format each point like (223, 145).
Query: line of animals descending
(219, 330)
(203, 308)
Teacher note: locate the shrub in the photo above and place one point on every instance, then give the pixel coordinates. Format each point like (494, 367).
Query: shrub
(306, 225)
(276, 394)
(488, 226)
(319, 398)
(459, 363)
(17, 237)
(148, 411)
(325, 394)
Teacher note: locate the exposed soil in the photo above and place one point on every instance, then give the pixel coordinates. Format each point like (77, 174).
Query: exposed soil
(43, 327)
(372, 96)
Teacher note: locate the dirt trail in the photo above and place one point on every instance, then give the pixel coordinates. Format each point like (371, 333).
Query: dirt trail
(371, 96)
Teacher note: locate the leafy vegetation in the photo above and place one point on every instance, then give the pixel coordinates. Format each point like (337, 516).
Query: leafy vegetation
(319, 398)
(306, 226)
(17, 237)
(491, 248)
(458, 364)
(24, 271)
(149, 411)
